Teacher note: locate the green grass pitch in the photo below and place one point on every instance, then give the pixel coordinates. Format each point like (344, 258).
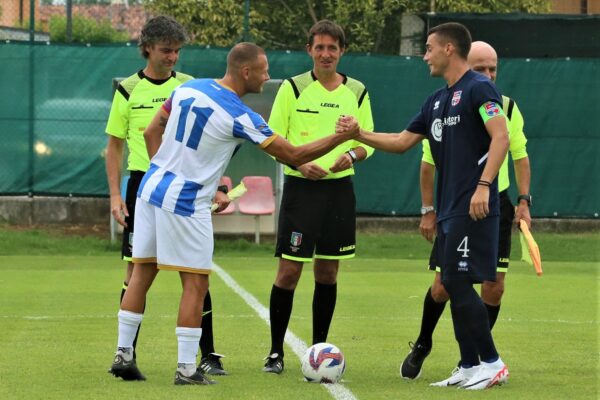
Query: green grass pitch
(59, 299)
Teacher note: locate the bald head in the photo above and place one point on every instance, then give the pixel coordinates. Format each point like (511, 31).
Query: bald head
(247, 68)
(243, 54)
(483, 59)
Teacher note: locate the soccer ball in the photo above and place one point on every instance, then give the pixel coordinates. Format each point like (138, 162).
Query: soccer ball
(323, 363)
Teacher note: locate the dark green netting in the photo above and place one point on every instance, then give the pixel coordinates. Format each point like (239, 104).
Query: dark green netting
(56, 100)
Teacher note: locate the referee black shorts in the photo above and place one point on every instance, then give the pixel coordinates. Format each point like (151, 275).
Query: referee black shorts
(135, 178)
(507, 215)
(317, 219)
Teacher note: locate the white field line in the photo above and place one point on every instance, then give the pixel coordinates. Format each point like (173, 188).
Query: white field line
(337, 390)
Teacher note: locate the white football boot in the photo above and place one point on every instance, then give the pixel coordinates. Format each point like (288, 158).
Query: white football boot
(459, 377)
(488, 375)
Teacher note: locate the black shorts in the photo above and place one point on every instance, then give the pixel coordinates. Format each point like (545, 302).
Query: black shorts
(467, 249)
(507, 215)
(317, 218)
(135, 178)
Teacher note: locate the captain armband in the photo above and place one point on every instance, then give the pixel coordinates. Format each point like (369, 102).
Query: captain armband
(489, 110)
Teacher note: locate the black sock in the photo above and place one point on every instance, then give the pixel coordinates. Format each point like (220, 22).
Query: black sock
(469, 355)
(207, 344)
(473, 323)
(323, 306)
(280, 310)
(492, 314)
(432, 312)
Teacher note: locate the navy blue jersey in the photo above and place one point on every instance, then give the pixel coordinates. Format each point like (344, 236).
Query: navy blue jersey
(459, 141)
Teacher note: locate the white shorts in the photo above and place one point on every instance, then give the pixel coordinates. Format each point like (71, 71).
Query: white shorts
(171, 241)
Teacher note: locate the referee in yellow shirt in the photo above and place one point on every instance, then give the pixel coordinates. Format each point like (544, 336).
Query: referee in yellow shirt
(317, 215)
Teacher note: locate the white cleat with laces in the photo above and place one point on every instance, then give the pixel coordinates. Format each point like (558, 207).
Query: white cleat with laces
(459, 377)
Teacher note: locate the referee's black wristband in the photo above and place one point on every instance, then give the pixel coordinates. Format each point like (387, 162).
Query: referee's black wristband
(484, 183)
(223, 188)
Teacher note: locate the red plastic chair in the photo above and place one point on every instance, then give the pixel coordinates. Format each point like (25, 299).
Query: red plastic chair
(231, 207)
(258, 200)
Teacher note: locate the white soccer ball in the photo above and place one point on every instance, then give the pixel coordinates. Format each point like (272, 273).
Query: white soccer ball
(323, 363)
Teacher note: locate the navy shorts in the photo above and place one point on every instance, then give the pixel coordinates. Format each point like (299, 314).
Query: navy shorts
(507, 214)
(135, 178)
(317, 218)
(467, 249)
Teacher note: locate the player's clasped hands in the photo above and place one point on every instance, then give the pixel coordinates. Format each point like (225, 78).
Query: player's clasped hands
(347, 124)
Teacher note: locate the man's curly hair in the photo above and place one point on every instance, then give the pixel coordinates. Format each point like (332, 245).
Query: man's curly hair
(161, 29)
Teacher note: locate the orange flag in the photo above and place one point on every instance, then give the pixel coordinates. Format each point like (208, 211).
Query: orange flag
(530, 252)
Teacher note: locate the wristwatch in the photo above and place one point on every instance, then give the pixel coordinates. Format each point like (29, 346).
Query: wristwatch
(427, 209)
(526, 197)
(352, 155)
(222, 188)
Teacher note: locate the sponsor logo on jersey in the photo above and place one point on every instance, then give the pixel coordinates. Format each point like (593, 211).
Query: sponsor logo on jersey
(330, 105)
(451, 121)
(491, 109)
(296, 239)
(456, 97)
(159, 100)
(438, 125)
(436, 129)
(463, 266)
(436, 105)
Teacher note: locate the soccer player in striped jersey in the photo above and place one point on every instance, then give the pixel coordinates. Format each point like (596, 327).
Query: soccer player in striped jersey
(191, 140)
(135, 103)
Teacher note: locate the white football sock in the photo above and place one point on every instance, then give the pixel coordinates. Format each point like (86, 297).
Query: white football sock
(187, 349)
(128, 326)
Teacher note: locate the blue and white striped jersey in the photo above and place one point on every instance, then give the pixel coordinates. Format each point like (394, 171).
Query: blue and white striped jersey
(207, 122)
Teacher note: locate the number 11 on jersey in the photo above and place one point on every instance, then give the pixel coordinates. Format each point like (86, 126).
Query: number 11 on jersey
(202, 116)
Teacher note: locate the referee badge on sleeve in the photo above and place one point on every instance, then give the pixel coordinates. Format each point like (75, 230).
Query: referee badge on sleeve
(296, 239)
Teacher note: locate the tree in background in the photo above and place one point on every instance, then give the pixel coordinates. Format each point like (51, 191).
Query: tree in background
(217, 23)
(370, 25)
(487, 6)
(84, 30)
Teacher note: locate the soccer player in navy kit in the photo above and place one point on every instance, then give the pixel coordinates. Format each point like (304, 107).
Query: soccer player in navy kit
(467, 131)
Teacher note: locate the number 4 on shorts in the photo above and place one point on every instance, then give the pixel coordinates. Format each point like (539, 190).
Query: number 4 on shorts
(464, 247)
